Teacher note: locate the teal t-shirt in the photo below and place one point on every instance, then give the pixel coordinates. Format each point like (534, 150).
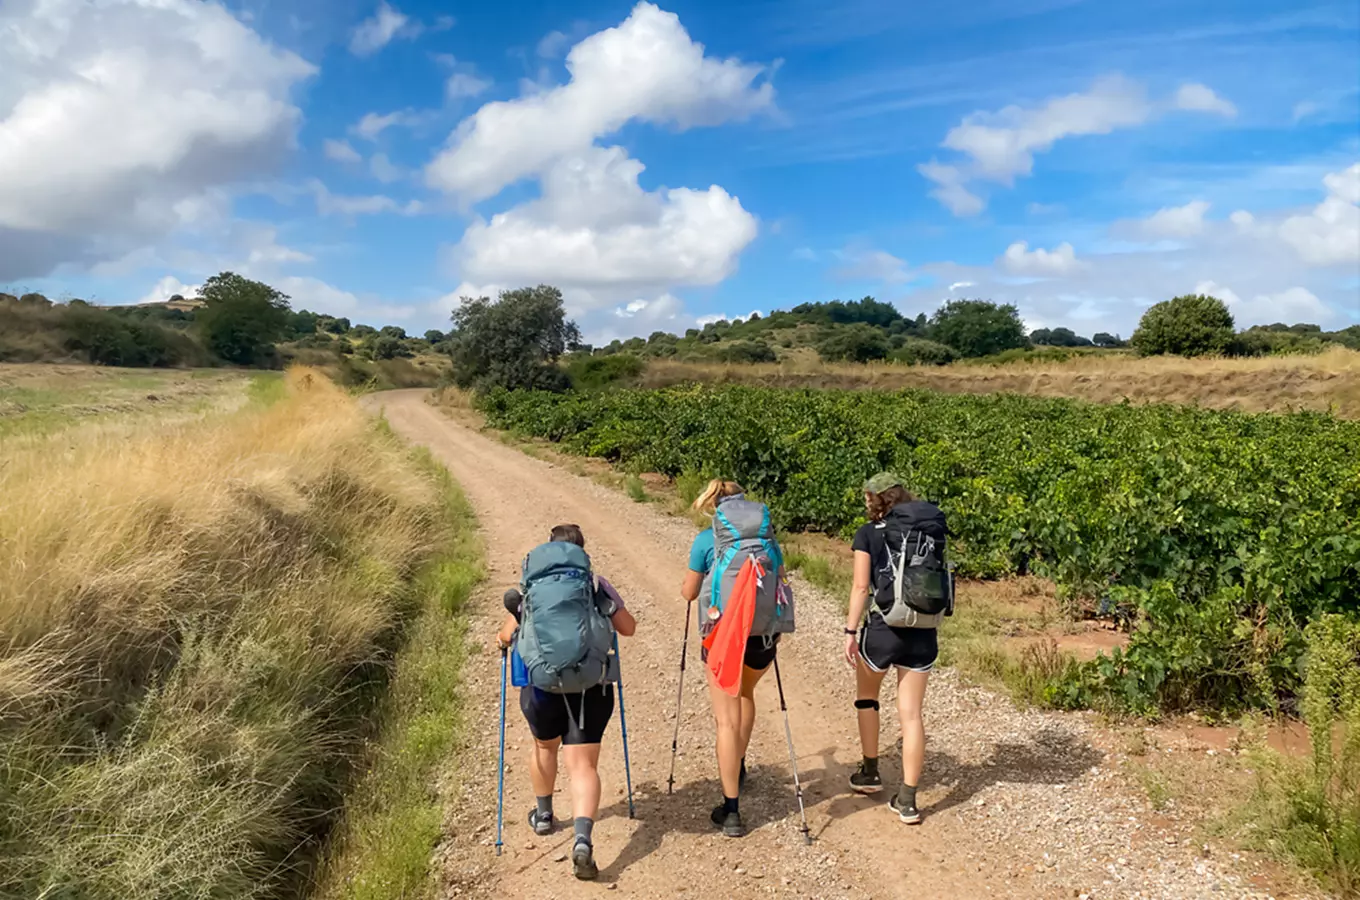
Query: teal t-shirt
(701, 553)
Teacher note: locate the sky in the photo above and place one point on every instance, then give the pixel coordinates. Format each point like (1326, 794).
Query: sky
(669, 165)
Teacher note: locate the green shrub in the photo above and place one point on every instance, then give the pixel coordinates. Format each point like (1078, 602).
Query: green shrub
(921, 352)
(746, 352)
(854, 343)
(978, 327)
(1192, 325)
(591, 372)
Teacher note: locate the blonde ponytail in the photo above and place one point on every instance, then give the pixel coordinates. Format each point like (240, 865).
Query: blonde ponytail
(717, 489)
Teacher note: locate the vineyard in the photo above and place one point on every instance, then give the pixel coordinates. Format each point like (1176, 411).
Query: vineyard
(1220, 536)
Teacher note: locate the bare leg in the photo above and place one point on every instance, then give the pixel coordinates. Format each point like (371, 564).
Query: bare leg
(911, 692)
(727, 714)
(867, 686)
(583, 765)
(749, 679)
(543, 766)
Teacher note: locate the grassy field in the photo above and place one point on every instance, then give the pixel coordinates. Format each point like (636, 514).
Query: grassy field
(200, 619)
(1328, 381)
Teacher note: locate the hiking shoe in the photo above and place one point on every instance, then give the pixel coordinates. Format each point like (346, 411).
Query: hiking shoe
(907, 812)
(583, 862)
(542, 825)
(866, 782)
(729, 822)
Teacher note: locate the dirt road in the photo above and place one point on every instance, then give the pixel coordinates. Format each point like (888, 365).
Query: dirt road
(1016, 803)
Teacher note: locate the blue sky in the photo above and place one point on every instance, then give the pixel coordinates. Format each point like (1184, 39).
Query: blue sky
(667, 165)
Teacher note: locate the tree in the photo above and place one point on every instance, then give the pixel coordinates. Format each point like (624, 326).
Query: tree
(854, 343)
(746, 352)
(513, 342)
(921, 352)
(1057, 337)
(978, 327)
(303, 323)
(338, 326)
(1190, 325)
(394, 331)
(434, 336)
(386, 347)
(1108, 341)
(242, 318)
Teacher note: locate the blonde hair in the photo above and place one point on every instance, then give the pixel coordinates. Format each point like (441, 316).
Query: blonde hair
(717, 489)
(879, 505)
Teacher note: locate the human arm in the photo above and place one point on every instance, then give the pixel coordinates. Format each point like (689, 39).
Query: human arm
(624, 623)
(509, 626)
(689, 588)
(700, 561)
(859, 601)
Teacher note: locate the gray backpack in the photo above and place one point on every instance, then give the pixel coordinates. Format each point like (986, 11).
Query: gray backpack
(741, 531)
(921, 593)
(564, 639)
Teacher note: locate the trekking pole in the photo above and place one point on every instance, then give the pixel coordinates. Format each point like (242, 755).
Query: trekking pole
(623, 724)
(500, 789)
(679, 697)
(793, 757)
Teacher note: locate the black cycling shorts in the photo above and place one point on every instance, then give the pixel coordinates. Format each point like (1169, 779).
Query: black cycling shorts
(760, 652)
(882, 646)
(572, 718)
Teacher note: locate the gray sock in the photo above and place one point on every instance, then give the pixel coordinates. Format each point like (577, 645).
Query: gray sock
(584, 827)
(544, 806)
(906, 795)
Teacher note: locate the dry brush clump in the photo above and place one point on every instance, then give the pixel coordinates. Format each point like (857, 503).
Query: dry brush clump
(194, 623)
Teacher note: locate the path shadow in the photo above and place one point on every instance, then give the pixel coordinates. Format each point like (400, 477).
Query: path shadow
(1053, 756)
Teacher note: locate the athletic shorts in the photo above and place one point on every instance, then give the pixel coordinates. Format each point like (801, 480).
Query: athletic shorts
(573, 718)
(760, 652)
(881, 646)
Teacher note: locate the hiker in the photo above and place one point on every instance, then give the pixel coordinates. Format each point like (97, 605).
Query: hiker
(737, 554)
(899, 561)
(566, 706)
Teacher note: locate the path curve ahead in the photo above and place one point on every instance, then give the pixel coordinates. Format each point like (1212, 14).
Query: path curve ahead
(1016, 803)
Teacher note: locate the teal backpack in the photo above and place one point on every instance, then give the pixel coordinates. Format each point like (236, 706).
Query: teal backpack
(741, 531)
(564, 639)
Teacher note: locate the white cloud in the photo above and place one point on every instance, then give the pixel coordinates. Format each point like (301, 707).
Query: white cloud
(1176, 221)
(1304, 109)
(1295, 304)
(710, 319)
(168, 287)
(552, 45)
(266, 252)
(866, 264)
(328, 204)
(647, 68)
(106, 141)
(385, 25)
(1001, 146)
(805, 254)
(384, 169)
(1201, 98)
(595, 229)
(960, 285)
(340, 151)
(462, 85)
(1242, 219)
(654, 314)
(1330, 235)
(1020, 259)
(372, 125)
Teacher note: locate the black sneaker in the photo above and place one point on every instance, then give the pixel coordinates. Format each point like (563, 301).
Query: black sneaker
(866, 782)
(729, 822)
(906, 812)
(583, 862)
(542, 825)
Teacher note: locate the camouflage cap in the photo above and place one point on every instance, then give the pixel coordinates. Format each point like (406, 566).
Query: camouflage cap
(881, 482)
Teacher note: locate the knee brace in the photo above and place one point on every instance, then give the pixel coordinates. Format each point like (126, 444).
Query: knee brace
(866, 704)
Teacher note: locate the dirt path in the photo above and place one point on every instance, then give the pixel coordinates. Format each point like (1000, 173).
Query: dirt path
(1016, 803)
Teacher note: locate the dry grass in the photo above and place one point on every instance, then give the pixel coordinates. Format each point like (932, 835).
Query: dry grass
(1328, 381)
(194, 623)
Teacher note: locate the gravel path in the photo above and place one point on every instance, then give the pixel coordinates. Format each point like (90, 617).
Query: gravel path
(1017, 803)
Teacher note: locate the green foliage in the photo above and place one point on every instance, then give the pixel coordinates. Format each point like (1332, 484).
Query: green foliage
(591, 372)
(867, 311)
(1058, 337)
(242, 318)
(747, 352)
(854, 343)
(1221, 534)
(978, 327)
(637, 491)
(385, 346)
(1191, 325)
(109, 340)
(921, 352)
(513, 342)
(1108, 341)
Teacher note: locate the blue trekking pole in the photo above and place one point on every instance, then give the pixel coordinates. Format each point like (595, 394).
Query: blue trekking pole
(623, 724)
(500, 790)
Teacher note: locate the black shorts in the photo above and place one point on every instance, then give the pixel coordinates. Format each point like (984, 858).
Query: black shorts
(760, 652)
(882, 646)
(574, 718)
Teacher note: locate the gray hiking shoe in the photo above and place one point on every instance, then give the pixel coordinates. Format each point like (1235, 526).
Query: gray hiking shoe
(729, 822)
(583, 862)
(866, 782)
(907, 812)
(542, 825)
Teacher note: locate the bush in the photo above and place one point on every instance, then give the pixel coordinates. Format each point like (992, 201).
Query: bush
(854, 343)
(921, 352)
(1191, 325)
(597, 371)
(514, 342)
(242, 318)
(386, 347)
(978, 327)
(108, 340)
(746, 352)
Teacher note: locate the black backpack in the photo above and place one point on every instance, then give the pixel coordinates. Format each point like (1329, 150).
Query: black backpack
(919, 591)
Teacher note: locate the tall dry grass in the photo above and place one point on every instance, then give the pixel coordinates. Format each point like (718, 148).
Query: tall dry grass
(1327, 381)
(194, 622)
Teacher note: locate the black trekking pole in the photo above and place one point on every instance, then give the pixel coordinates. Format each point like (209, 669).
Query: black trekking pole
(623, 725)
(793, 757)
(679, 696)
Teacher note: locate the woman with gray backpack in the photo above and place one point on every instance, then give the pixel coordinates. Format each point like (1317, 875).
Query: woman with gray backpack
(736, 572)
(903, 589)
